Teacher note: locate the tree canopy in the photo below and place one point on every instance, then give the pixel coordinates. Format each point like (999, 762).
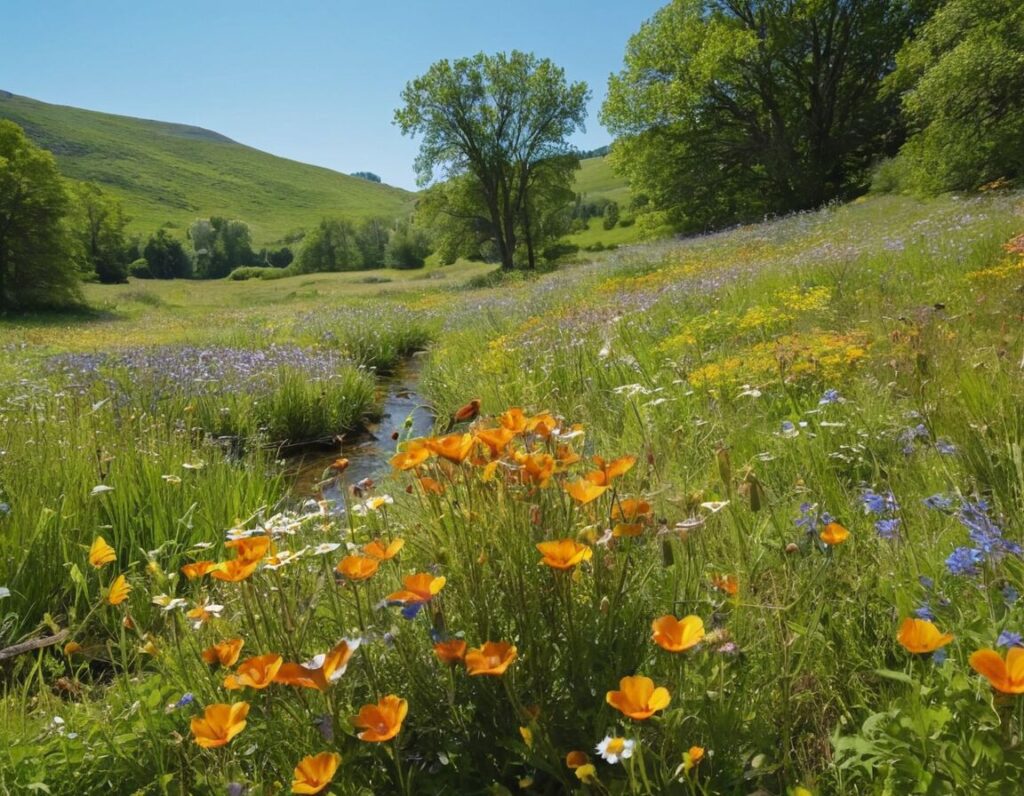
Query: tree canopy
(962, 86)
(37, 264)
(493, 120)
(98, 224)
(728, 109)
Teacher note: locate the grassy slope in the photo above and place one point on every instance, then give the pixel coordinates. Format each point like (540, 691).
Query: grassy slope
(596, 179)
(175, 173)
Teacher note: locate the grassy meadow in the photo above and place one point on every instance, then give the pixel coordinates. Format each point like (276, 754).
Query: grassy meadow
(675, 552)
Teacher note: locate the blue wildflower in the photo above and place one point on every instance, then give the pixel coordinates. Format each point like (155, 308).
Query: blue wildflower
(875, 503)
(5, 509)
(1009, 639)
(412, 610)
(186, 699)
(945, 447)
(938, 501)
(924, 612)
(887, 528)
(964, 561)
(939, 656)
(927, 582)
(830, 397)
(1010, 594)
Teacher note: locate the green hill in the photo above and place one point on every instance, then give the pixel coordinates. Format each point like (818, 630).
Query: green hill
(174, 173)
(596, 178)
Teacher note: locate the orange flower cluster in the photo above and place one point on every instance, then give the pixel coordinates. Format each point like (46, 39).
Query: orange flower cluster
(249, 552)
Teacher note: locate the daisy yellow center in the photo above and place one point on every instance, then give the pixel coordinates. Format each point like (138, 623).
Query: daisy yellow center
(616, 745)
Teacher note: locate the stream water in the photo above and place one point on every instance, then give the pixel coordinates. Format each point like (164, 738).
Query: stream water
(369, 451)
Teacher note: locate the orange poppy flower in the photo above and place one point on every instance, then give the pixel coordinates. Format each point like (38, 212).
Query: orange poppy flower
(638, 698)
(381, 722)
(258, 672)
(834, 533)
(249, 548)
(677, 635)
(419, 588)
(513, 419)
(564, 553)
(608, 471)
(492, 658)
(322, 670)
(119, 590)
(453, 447)
(468, 412)
(921, 636)
(235, 570)
(219, 724)
(1004, 675)
(430, 486)
(536, 468)
(585, 491)
(451, 651)
(357, 568)
(71, 648)
(376, 549)
(542, 425)
(627, 529)
(225, 653)
(565, 455)
(496, 439)
(575, 759)
(631, 510)
(728, 583)
(100, 553)
(314, 772)
(339, 465)
(692, 757)
(199, 568)
(412, 456)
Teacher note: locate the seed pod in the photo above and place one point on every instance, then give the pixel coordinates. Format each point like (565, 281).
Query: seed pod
(724, 467)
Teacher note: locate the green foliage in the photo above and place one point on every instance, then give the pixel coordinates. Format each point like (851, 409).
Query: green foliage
(408, 247)
(962, 84)
(372, 240)
(139, 268)
(98, 225)
(611, 215)
(162, 171)
(219, 246)
(37, 267)
(331, 246)
(260, 272)
(166, 258)
(727, 111)
(501, 122)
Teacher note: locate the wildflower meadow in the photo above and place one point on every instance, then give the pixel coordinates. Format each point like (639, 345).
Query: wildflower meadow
(733, 514)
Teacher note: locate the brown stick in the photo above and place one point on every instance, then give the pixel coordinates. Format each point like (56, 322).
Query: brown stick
(33, 644)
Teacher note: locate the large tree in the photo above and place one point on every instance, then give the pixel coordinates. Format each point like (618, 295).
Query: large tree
(493, 119)
(961, 80)
(220, 245)
(37, 266)
(98, 223)
(728, 109)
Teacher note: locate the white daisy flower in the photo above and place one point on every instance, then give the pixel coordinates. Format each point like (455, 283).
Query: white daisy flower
(614, 749)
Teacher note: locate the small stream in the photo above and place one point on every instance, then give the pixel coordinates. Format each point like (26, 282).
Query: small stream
(369, 451)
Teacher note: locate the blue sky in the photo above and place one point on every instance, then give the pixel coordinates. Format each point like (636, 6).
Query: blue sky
(316, 81)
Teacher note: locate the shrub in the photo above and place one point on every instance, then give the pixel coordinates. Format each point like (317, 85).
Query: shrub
(140, 269)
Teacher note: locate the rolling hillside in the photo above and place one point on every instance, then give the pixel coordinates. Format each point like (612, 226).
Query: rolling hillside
(176, 173)
(596, 178)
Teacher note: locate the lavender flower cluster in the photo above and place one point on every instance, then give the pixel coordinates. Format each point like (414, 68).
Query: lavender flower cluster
(167, 371)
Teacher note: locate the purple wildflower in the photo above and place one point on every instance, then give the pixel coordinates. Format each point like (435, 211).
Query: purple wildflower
(1009, 639)
(938, 501)
(888, 528)
(964, 561)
